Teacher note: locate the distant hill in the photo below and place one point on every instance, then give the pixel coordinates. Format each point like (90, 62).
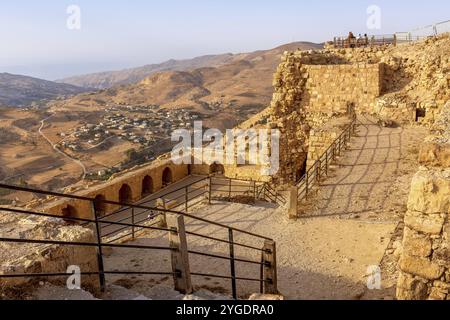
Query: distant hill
(237, 81)
(105, 80)
(17, 90)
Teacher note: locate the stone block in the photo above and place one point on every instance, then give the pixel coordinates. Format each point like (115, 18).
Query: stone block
(431, 224)
(430, 192)
(421, 267)
(411, 288)
(416, 245)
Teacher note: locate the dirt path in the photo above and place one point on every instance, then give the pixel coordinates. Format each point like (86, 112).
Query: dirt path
(371, 180)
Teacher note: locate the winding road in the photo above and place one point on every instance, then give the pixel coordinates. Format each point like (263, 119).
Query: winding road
(78, 162)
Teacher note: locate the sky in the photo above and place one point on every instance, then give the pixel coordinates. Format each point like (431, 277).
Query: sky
(115, 34)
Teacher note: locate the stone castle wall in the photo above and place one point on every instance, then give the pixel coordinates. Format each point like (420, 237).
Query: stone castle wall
(332, 88)
(319, 141)
(310, 89)
(110, 190)
(425, 261)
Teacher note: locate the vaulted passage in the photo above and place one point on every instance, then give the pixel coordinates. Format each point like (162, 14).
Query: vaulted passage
(99, 205)
(147, 186)
(125, 194)
(216, 168)
(69, 212)
(167, 177)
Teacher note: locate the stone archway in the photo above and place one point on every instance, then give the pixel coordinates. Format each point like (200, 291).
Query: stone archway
(100, 205)
(300, 173)
(147, 186)
(125, 194)
(216, 168)
(167, 177)
(69, 212)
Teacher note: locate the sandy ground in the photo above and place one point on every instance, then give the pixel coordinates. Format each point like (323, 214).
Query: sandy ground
(313, 254)
(371, 180)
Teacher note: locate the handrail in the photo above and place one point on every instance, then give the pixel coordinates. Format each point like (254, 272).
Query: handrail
(23, 189)
(267, 269)
(315, 171)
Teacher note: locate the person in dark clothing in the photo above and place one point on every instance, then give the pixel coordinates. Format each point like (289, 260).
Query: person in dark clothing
(351, 40)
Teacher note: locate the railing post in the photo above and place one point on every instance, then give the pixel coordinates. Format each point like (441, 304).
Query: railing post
(132, 222)
(339, 145)
(293, 203)
(209, 190)
(326, 162)
(101, 269)
(254, 191)
(179, 254)
(307, 185)
(186, 199)
(229, 190)
(318, 169)
(161, 204)
(232, 264)
(270, 267)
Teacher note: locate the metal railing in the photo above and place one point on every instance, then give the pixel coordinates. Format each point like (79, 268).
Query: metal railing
(184, 199)
(369, 41)
(229, 187)
(430, 30)
(321, 166)
(394, 39)
(178, 245)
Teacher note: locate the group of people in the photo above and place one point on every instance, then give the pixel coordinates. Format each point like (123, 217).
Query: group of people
(357, 41)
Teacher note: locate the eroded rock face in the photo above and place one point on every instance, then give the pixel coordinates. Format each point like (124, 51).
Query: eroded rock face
(425, 260)
(36, 258)
(435, 151)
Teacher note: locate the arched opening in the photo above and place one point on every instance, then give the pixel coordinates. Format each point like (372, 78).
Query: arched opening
(69, 212)
(420, 113)
(147, 186)
(100, 205)
(216, 168)
(125, 195)
(301, 171)
(167, 177)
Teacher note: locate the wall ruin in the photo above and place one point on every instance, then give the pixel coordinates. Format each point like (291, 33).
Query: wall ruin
(312, 88)
(425, 261)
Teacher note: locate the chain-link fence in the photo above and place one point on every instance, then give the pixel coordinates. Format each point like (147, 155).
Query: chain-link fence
(425, 32)
(397, 38)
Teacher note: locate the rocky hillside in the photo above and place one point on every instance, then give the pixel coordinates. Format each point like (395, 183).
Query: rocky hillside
(241, 80)
(108, 79)
(17, 90)
(104, 80)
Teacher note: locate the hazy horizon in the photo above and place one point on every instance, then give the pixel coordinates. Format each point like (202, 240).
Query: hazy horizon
(122, 34)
